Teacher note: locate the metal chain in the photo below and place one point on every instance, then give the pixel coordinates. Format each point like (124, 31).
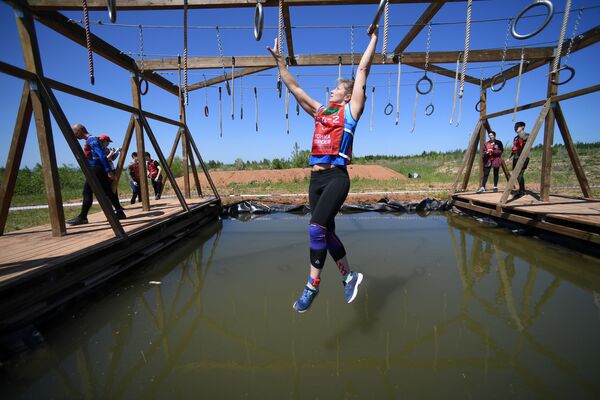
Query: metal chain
(505, 44)
(428, 46)
(389, 88)
(577, 21)
(220, 45)
(563, 30)
(88, 41)
(352, 49)
(385, 32)
(142, 47)
(466, 51)
(280, 37)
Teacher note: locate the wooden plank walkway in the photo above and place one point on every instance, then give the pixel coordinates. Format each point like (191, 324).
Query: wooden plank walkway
(39, 272)
(562, 215)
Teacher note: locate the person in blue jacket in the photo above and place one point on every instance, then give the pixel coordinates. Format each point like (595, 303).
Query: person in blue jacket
(101, 168)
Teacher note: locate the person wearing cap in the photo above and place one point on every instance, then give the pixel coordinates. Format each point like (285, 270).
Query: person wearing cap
(111, 152)
(518, 144)
(101, 167)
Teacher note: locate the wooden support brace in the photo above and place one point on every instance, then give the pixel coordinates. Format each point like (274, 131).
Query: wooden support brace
(471, 158)
(194, 170)
(524, 155)
(472, 147)
(15, 155)
(577, 167)
(124, 152)
(423, 20)
(482, 137)
(546, 175)
(204, 169)
(174, 148)
(140, 145)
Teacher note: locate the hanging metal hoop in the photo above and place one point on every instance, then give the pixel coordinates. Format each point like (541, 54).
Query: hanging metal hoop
(429, 109)
(426, 79)
(144, 83)
(478, 106)
(498, 79)
(259, 21)
(388, 109)
(297, 108)
(377, 17)
(571, 76)
(544, 3)
(279, 88)
(112, 10)
(206, 111)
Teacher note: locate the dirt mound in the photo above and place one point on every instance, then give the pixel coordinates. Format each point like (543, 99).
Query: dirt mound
(223, 178)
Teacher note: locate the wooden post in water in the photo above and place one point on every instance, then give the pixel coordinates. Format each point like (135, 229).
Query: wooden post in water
(33, 63)
(546, 177)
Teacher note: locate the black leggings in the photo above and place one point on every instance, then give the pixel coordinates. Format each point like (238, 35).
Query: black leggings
(88, 194)
(521, 178)
(326, 194)
(486, 173)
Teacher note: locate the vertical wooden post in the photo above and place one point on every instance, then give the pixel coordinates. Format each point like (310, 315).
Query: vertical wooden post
(184, 151)
(546, 178)
(471, 153)
(201, 161)
(467, 156)
(139, 139)
(482, 112)
(577, 167)
(15, 154)
(33, 63)
(124, 151)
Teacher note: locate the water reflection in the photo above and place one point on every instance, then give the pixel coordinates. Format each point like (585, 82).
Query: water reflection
(449, 307)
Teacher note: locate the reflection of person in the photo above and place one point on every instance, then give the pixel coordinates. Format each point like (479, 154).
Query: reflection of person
(492, 159)
(100, 166)
(155, 175)
(335, 124)
(518, 144)
(133, 170)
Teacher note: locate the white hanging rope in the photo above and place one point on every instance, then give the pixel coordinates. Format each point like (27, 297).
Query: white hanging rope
(466, 51)
(414, 125)
(220, 113)
(372, 108)
(454, 93)
(519, 84)
(385, 32)
(398, 89)
(232, 87)
(563, 31)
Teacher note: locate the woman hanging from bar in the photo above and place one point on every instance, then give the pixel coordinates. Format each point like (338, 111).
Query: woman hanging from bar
(492, 158)
(335, 124)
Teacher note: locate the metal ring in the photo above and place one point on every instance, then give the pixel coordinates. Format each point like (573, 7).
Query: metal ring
(564, 68)
(297, 109)
(378, 14)
(227, 86)
(241, 113)
(145, 90)
(206, 111)
(478, 106)
(259, 20)
(494, 81)
(279, 88)
(430, 106)
(546, 3)
(388, 109)
(112, 10)
(424, 78)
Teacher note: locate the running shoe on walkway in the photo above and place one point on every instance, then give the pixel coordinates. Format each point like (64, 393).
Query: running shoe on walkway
(306, 298)
(351, 285)
(480, 190)
(78, 220)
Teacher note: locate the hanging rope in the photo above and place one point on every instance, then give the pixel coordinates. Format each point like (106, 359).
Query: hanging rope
(500, 78)
(232, 88)
(466, 51)
(241, 98)
(459, 112)
(425, 78)
(389, 108)
(205, 97)
(519, 84)
(88, 41)
(372, 108)
(414, 125)
(455, 88)
(352, 49)
(220, 112)
(577, 21)
(398, 89)
(185, 54)
(220, 46)
(339, 68)
(386, 17)
(256, 107)
(280, 42)
(142, 80)
(287, 109)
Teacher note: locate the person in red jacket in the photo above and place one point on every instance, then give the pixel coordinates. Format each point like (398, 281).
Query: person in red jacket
(133, 170)
(518, 144)
(155, 175)
(492, 158)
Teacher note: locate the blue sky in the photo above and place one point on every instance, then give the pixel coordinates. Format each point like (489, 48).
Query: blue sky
(66, 61)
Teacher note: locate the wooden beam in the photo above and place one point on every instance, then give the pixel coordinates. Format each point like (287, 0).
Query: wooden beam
(124, 152)
(33, 64)
(62, 25)
(546, 175)
(418, 26)
(221, 78)
(443, 71)
(178, 4)
(304, 60)
(472, 146)
(577, 167)
(15, 154)
(186, 131)
(287, 24)
(570, 95)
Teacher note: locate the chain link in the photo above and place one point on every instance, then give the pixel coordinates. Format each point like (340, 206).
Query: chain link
(141, 47)
(505, 44)
(352, 49)
(428, 47)
(577, 21)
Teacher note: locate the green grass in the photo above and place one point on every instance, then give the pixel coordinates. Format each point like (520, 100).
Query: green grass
(18, 220)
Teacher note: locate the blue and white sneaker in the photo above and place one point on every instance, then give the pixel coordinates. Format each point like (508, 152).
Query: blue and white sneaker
(306, 298)
(351, 286)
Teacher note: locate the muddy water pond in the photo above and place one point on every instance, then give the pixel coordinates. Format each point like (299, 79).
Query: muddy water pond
(449, 308)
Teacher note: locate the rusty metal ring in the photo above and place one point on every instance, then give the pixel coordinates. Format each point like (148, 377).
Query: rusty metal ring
(426, 79)
(545, 3)
(259, 21)
(564, 68)
(478, 106)
(429, 110)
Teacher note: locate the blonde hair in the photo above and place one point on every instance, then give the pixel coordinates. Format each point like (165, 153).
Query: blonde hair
(348, 85)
